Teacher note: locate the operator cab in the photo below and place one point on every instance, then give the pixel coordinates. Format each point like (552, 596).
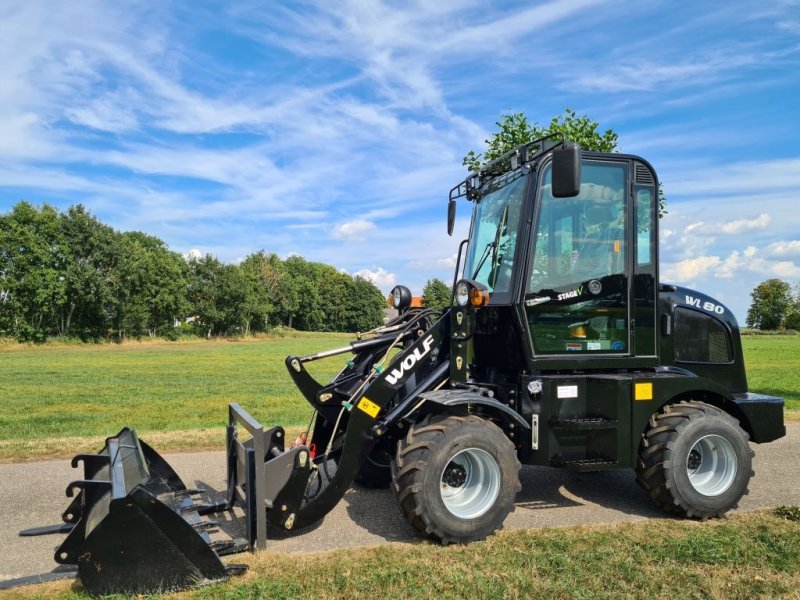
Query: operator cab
(579, 271)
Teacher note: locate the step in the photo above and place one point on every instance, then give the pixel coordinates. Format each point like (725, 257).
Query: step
(584, 424)
(583, 464)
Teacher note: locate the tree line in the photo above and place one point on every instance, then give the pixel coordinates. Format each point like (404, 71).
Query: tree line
(774, 306)
(66, 274)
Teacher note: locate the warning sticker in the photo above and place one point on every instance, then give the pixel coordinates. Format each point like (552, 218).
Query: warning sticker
(369, 407)
(643, 391)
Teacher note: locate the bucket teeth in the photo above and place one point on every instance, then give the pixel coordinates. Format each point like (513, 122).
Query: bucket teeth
(189, 492)
(205, 525)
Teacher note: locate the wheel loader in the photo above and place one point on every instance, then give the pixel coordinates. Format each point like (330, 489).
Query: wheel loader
(561, 347)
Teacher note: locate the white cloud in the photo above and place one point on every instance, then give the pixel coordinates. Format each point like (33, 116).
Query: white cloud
(649, 74)
(735, 266)
(693, 226)
(357, 113)
(762, 221)
(689, 269)
(786, 268)
(380, 277)
(353, 230)
(193, 254)
(789, 248)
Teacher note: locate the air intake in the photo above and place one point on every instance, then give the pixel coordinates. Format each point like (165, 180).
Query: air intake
(644, 175)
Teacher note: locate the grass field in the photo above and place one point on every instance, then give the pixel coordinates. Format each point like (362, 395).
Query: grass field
(53, 394)
(773, 367)
(745, 556)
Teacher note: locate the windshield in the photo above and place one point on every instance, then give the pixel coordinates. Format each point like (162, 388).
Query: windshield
(493, 235)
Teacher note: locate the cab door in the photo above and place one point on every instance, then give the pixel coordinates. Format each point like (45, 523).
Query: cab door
(577, 298)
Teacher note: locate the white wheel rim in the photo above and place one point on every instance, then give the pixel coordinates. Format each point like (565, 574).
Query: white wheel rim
(470, 483)
(711, 465)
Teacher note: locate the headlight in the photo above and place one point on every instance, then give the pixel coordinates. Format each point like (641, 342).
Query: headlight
(401, 297)
(462, 293)
(471, 293)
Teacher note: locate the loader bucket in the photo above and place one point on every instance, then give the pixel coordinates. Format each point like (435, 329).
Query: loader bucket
(136, 527)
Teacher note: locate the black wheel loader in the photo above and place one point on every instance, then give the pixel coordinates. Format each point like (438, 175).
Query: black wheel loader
(561, 348)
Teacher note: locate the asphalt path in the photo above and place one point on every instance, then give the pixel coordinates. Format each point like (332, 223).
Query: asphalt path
(33, 494)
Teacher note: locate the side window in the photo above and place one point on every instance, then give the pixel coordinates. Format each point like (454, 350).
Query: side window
(577, 295)
(644, 226)
(700, 338)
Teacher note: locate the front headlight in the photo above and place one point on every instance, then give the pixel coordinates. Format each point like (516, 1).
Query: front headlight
(471, 293)
(462, 293)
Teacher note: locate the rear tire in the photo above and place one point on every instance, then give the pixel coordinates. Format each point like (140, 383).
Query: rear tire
(456, 478)
(694, 460)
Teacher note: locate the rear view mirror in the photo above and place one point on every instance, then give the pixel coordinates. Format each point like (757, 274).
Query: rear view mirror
(567, 170)
(451, 216)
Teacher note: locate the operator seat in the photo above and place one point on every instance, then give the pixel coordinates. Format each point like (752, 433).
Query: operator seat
(600, 254)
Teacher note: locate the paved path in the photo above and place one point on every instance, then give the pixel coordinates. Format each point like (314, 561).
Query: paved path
(32, 494)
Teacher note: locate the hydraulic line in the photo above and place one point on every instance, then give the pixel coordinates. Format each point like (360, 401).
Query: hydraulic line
(376, 369)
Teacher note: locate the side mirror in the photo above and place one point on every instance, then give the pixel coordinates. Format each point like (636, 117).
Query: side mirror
(451, 216)
(567, 170)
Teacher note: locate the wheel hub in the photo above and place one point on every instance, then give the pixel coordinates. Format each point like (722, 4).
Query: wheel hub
(711, 465)
(470, 483)
(694, 460)
(454, 475)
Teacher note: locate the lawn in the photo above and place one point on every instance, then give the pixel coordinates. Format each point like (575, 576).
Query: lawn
(53, 393)
(755, 555)
(773, 367)
(60, 399)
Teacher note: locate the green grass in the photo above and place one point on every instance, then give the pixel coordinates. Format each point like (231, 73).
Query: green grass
(56, 393)
(746, 556)
(773, 367)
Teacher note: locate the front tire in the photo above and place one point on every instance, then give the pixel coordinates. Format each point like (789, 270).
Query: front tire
(456, 478)
(694, 460)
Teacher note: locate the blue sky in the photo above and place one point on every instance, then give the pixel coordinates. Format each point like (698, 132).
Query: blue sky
(334, 130)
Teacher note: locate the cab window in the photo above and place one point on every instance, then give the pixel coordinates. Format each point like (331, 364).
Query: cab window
(577, 298)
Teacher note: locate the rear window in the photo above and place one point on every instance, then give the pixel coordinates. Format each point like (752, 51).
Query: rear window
(701, 338)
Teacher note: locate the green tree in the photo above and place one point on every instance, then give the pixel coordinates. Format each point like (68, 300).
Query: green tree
(792, 320)
(266, 292)
(331, 300)
(217, 296)
(514, 129)
(92, 275)
(436, 294)
(151, 285)
(309, 313)
(365, 305)
(32, 262)
(771, 301)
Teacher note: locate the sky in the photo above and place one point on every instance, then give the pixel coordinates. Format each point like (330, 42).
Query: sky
(334, 130)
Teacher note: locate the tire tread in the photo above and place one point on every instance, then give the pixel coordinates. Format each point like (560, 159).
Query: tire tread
(410, 463)
(655, 455)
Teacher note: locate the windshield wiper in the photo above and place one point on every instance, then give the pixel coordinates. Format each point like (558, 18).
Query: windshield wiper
(484, 256)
